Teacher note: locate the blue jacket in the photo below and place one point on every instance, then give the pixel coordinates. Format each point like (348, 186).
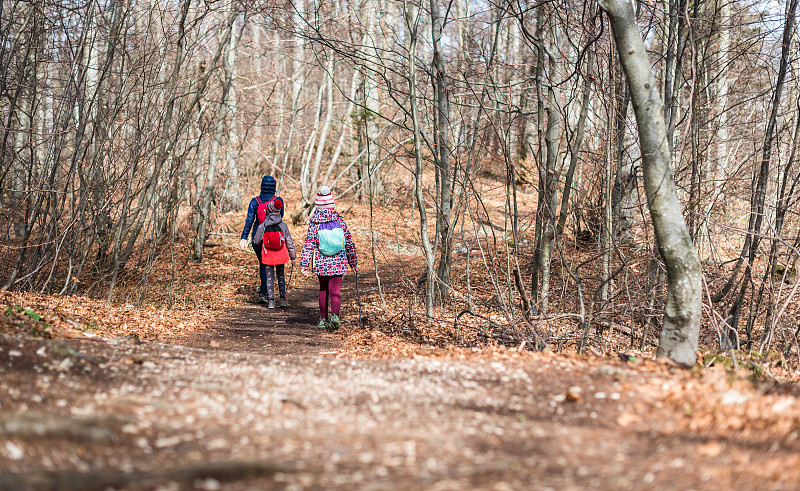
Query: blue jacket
(267, 192)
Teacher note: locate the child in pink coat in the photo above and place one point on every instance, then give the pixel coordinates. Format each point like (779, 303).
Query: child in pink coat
(329, 260)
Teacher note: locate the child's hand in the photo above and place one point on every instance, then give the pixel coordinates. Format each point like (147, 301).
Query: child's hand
(243, 244)
(305, 272)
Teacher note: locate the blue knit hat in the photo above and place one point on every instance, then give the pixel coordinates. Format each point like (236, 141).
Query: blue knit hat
(268, 186)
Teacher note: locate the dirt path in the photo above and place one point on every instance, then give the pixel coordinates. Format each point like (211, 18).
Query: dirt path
(253, 328)
(259, 402)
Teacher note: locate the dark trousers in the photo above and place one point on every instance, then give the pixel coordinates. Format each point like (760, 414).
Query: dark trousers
(268, 274)
(273, 271)
(262, 270)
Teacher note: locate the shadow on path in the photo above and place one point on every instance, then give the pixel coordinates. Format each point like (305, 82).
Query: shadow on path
(253, 328)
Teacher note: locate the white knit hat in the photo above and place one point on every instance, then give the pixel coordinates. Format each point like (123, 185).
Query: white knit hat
(324, 198)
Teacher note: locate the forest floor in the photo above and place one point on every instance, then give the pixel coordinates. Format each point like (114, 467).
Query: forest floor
(218, 392)
(263, 400)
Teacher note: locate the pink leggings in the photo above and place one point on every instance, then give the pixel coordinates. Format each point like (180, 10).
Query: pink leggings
(330, 287)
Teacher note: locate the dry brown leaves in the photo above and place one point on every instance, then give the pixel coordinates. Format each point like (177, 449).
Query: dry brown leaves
(81, 316)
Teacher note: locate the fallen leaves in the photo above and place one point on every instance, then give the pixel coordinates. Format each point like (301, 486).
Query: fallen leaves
(709, 449)
(73, 316)
(574, 394)
(626, 419)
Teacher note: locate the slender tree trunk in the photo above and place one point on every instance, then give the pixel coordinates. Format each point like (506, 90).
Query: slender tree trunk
(232, 198)
(679, 336)
(757, 203)
(577, 142)
(723, 89)
(412, 23)
(442, 158)
(229, 61)
(540, 155)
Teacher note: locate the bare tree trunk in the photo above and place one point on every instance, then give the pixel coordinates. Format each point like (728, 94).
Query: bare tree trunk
(782, 206)
(576, 143)
(442, 158)
(623, 201)
(551, 138)
(232, 197)
(679, 336)
(608, 215)
(540, 155)
(757, 203)
(412, 16)
(326, 126)
(229, 61)
(723, 88)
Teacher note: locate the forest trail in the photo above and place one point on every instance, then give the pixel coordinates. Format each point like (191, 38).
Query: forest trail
(291, 331)
(264, 400)
(103, 413)
(253, 328)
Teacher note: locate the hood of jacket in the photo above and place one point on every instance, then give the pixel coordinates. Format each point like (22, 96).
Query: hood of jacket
(272, 218)
(324, 215)
(268, 185)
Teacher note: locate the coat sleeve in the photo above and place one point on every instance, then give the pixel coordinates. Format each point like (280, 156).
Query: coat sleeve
(251, 217)
(289, 241)
(309, 245)
(349, 246)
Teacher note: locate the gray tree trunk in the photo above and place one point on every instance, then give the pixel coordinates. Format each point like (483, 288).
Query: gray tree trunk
(757, 202)
(442, 157)
(229, 60)
(232, 196)
(412, 23)
(681, 329)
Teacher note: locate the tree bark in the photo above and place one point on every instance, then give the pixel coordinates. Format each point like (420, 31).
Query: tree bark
(412, 23)
(680, 333)
(442, 158)
(757, 203)
(229, 61)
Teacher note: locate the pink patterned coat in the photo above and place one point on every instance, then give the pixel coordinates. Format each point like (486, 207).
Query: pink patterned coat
(327, 265)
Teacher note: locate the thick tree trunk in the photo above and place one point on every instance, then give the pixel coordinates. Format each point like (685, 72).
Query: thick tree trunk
(679, 335)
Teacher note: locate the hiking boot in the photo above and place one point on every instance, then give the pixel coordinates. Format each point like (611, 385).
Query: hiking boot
(323, 324)
(335, 322)
(282, 302)
(262, 299)
(271, 304)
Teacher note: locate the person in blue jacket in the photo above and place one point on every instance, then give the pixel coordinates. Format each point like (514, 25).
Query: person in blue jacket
(268, 186)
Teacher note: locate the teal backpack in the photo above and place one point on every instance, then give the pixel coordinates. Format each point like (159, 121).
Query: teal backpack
(331, 238)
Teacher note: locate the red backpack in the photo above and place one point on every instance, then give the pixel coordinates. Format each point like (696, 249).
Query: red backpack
(261, 215)
(273, 238)
(261, 211)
